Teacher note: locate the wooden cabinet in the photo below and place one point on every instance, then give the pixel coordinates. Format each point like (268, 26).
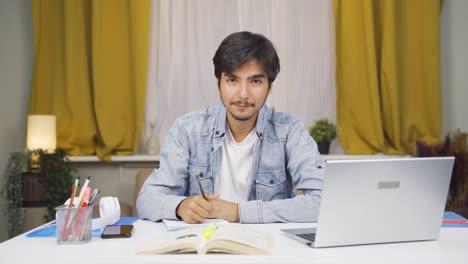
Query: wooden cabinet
(33, 190)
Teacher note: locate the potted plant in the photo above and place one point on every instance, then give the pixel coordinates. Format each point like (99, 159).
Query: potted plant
(11, 191)
(54, 178)
(323, 132)
(57, 171)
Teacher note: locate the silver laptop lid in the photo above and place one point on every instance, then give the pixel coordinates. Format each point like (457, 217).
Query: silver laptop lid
(382, 200)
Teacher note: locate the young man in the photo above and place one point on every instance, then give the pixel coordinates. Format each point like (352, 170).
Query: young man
(248, 157)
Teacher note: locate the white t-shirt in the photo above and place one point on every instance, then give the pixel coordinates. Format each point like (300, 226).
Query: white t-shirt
(235, 165)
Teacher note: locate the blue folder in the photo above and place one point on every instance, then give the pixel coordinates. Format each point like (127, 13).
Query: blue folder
(454, 216)
(50, 229)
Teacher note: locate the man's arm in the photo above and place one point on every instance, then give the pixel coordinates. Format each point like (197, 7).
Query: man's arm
(159, 196)
(307, 169)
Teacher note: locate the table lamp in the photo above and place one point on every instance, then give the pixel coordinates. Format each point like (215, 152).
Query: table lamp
(41, 134)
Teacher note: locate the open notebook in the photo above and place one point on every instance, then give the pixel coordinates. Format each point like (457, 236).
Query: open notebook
(174, 225)
(228, 238)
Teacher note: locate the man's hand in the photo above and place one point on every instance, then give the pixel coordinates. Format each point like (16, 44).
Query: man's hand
(196, 209)
(224, 209)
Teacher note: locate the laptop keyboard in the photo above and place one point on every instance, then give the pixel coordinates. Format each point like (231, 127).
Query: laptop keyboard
(309, 236)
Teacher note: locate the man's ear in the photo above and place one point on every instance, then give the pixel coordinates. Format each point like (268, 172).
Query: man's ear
(269, 89)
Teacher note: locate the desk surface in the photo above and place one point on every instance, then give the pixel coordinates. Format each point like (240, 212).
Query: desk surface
(452, 247)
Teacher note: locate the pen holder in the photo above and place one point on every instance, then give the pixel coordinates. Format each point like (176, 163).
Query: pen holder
(74, 225)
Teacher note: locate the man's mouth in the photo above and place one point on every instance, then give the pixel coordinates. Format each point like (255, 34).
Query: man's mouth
(242, 104)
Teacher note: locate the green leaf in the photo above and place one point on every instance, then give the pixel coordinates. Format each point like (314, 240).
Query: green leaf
(323, 131)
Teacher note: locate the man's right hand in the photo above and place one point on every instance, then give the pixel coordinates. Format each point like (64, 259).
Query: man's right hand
(196, 209)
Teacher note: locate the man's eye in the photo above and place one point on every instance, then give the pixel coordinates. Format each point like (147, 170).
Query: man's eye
(257, 82)
(231, 80)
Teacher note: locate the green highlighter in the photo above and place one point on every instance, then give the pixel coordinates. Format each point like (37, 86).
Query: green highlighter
(209, 231)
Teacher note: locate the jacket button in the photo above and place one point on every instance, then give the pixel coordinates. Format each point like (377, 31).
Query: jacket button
(319, 167)
(200, 175)
(212, 148)
(272, 181)
(217, 132)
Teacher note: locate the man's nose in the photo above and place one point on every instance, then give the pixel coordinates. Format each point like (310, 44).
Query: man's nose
(244, 90)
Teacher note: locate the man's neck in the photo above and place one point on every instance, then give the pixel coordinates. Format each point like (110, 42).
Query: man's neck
(240, 129)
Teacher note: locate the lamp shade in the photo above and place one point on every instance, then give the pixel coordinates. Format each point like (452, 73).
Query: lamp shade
(41, 132)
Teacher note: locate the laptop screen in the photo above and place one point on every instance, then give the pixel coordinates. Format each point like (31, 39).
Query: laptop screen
(382, 200)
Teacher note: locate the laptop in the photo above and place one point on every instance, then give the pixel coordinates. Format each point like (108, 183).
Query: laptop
(380, 201)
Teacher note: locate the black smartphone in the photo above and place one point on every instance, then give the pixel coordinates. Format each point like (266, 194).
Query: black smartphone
(117, 231)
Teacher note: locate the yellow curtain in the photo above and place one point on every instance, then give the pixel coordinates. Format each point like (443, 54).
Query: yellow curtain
(388, 74)
(90, 71)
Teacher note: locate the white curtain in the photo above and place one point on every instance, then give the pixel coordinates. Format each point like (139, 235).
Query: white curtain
(185, 35)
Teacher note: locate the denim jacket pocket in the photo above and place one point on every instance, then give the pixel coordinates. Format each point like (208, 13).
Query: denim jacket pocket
(206, 179)
(271, 186)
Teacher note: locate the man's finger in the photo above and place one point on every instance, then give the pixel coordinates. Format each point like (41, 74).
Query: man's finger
(191, 212)
(197, 218)
(212, 197)
(199, 210)
(200, 201)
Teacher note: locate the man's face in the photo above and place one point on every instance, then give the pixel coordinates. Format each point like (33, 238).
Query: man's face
(244, 91)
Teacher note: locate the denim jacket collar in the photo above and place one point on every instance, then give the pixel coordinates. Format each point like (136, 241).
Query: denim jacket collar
(220, 124)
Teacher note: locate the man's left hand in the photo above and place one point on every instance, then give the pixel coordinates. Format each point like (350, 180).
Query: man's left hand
(223, 209)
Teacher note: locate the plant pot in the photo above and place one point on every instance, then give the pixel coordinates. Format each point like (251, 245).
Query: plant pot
(323, 147)
(33, 190)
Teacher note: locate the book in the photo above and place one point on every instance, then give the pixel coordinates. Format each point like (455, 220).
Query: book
(452, 219)
(228, 238)
(174, 225)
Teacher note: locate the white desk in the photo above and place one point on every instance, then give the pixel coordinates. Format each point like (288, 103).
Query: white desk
(452, 247)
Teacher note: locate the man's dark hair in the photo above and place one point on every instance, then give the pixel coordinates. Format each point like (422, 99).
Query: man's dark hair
(242, 47)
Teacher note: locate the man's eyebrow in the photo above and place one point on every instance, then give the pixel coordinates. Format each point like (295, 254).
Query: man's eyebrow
(230, 75)
(257, 76)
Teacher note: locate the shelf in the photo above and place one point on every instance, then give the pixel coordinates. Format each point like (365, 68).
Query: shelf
(155, 158)
(129, 158)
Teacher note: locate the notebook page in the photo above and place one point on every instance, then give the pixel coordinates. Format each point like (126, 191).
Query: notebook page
(174, 225)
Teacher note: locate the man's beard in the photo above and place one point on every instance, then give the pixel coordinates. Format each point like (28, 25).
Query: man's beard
(240, 118)
(241, 103)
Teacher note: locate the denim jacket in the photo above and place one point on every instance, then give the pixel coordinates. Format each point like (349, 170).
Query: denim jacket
(285, 158)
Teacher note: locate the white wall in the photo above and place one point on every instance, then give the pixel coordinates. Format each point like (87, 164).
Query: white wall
(16, 60)
(454, 60)
(113, 179)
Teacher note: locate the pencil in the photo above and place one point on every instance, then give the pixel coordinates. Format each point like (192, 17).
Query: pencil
(73, 192)
(201, 188)
(82, 192)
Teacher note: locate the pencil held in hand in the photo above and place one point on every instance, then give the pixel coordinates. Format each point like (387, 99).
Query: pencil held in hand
(201, 187)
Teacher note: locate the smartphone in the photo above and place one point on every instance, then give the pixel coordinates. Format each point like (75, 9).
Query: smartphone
(117, 231)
